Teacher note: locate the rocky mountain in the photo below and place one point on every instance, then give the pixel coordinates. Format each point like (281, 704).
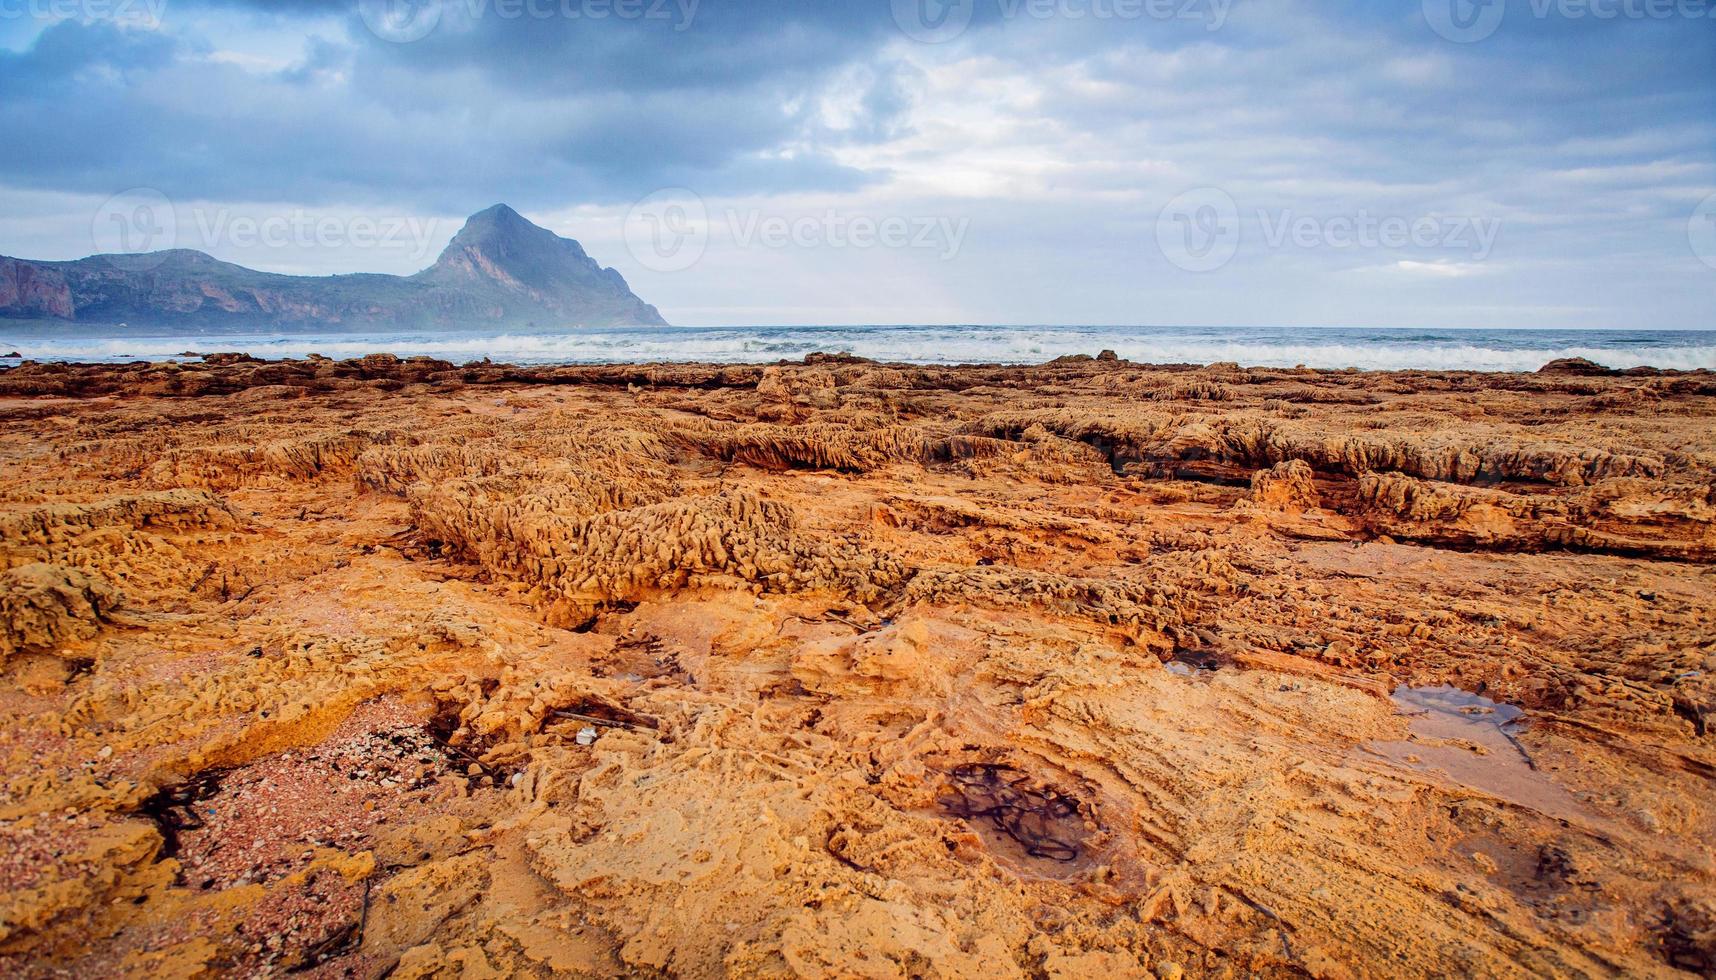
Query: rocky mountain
(499, 270)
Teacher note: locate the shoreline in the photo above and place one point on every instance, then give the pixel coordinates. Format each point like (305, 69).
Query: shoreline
(239, 369)
(1278, 348)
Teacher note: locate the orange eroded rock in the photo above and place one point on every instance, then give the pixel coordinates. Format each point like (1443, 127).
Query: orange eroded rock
(836, 668)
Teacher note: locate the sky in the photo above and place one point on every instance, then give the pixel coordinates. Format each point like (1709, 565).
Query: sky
(1434, 163)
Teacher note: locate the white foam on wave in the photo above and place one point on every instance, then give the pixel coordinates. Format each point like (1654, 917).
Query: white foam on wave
(1368, 350)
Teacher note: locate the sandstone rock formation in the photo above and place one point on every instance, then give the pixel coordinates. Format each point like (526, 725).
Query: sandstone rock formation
(44, 606)
(1287, 486)
(406, 668)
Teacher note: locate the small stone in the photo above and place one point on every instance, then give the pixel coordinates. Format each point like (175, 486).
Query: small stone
(1170, 971)
(586, 736)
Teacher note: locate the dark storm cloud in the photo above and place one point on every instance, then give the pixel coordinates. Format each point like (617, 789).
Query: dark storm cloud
(591, 100)
(546, 45)
(548, 108)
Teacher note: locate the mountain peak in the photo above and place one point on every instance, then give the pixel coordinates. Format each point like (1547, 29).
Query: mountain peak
(502, 246)
(498, 225)
(500, 249)
(499, 217)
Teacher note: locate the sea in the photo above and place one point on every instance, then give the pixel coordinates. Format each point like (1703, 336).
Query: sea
(1317, 347)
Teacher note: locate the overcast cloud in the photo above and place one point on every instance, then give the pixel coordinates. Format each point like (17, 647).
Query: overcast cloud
(1435, 163)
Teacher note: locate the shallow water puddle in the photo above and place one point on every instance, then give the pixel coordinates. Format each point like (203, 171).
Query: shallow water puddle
(1027, 825)
(1469, 740)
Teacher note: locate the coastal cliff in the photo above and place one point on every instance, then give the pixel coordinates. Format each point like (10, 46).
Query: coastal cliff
(499, 270)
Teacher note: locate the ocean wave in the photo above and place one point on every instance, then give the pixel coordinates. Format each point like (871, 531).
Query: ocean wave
(1509, 350)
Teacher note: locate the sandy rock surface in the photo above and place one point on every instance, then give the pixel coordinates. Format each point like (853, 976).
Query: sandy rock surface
(835, 668)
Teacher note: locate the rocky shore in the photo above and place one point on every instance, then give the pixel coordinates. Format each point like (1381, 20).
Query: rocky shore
(401, 667)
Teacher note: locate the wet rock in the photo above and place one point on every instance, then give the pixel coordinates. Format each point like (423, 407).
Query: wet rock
(1577, 367)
